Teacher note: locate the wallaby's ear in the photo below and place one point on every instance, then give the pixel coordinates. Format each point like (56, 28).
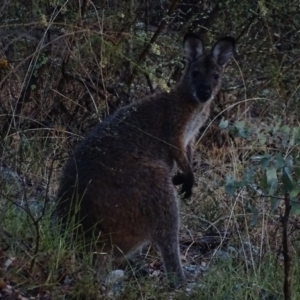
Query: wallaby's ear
(192, 46)
(223, 50)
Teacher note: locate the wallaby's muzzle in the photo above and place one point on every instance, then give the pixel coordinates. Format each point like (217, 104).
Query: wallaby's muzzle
(203, 93)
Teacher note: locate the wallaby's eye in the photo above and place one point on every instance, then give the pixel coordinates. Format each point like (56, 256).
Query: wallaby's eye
(195, 74)
(216, 76)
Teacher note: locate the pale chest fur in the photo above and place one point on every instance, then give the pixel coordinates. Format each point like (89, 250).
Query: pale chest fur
(196, 120)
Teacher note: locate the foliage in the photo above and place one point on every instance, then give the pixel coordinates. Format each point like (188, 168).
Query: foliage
(271, 174)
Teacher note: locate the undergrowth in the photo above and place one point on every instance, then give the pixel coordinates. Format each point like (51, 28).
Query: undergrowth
(64, 67)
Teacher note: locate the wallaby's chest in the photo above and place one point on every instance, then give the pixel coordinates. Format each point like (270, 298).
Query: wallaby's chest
(196, 120)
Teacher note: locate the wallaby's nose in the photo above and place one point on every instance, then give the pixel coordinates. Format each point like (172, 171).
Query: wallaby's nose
(203, 93)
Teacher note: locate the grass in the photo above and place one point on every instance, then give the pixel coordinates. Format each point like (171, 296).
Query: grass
(252, 269)
(60, 270)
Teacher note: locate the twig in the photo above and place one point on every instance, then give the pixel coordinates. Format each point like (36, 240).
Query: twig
(36, 221)
(210, 19)
(84, 81)
(149, 83)
(2, 8)
(160, 28)
(285, 250)
(83, 8)
(245, 29)
(266, 83)
(24, 97)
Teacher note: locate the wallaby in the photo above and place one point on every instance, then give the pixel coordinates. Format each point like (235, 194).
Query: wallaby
(119, 179)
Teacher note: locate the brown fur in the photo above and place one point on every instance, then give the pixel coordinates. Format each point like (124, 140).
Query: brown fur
(121, 173)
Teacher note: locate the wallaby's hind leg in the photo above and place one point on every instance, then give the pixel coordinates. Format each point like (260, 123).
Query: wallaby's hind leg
(166, 236)
(168, 246)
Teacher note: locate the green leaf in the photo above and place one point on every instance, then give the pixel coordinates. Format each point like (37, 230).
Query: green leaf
(244, 133)
(296, 135)
(295, 208)
(288, 184)
(241, 130)
(295, 191)
(297, 167)
(279, 161)
(275, 203)
(254, 212)
(248, 176)
(272, 180)
(285, 135)
(275, 128)
(223, 124)
(262, 138)
(285, 129)
(230, 185)
(297, 170)
(265, 161)
(287, 179)
(242, 183)
(289, 161)
(240, 124)
(263, 183)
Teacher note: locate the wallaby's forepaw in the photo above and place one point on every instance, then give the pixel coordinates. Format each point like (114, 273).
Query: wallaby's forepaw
(187, 185)
(187, 182)
(187, 192)
(178, 179)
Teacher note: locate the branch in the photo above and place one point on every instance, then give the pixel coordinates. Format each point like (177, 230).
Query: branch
(266, 83)
(160, 28)
(285, 250)
(3, 8)
(210, 20)
(245, 29)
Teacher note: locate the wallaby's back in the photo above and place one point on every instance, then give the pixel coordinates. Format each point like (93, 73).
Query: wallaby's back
(118, 182)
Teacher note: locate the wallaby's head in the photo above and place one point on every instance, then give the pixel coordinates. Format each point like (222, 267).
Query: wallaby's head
(203, 74)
